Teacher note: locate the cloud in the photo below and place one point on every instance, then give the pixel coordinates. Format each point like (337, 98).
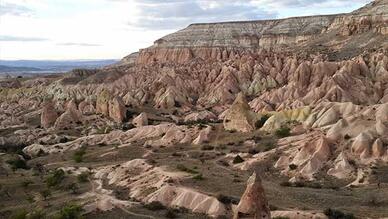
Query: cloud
(173, 14)
(309, 3)
(78, 44)
(8, 38)
(14, 9)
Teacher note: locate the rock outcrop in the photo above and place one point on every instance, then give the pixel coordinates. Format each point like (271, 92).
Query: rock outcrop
(49, 115)
(253, 203)
(140, 120)
(117, 110)
(239, 116)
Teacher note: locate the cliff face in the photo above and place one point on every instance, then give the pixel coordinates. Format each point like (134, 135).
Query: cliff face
(324, 34)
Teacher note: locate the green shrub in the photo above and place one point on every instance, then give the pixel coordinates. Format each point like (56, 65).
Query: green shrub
(285, 184)
(170, 213)
(78, 155)
(283, 132)
(237, 160)
(37, 214)
(55, 178)
(83, 177)
(337, 214)
(262, 121)
(155, 206)
(226, 199)
(45, 193)
(207, 148)
(18, 163)
(198, 177)
(19, 214)
(70, 211)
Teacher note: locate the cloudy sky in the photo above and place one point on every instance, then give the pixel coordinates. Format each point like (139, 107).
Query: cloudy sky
(104, 29)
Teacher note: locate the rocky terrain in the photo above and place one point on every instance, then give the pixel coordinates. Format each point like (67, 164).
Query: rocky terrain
(278, 118)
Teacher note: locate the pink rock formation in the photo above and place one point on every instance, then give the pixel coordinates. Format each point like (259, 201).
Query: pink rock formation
(253, 203)
(239, 117)
(49, 115)
(140, 120)
(117, 110)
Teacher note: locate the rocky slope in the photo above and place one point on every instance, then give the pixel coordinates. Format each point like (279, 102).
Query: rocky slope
(315, 88)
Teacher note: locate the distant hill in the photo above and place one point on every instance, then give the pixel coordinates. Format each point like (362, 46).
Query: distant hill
(48, 66)
(10, 69)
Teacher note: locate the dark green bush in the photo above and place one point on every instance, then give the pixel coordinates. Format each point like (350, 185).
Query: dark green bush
(78, 155)
(293, 166)
(170, 213)
(18, 163)
(262, 121)
(207, 148)
(237, 160)
(83, 177)
(70, 211)
(155, 206)
(226, 199)
(337, 214)
(55, 178)
(283, 132)
(19, 214)
(198, 177)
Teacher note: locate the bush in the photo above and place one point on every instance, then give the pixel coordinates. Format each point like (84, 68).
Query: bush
(336, 214)
(198, 177)
(293, 166)
(79, 155)
(18, 163)
(226, 199)
(83, 177)
(37, 214)
(207, 148)
(70, 211)
(283, 132)
(285, 184)
(170, 213)
(237, 160)
(55, 178)
(155, 206)
(45, 193)
(19, 214)
(262, 121)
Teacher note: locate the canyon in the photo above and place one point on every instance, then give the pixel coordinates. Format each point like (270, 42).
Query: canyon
(285, 118)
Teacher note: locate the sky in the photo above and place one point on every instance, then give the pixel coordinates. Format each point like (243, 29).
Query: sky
(112, 29)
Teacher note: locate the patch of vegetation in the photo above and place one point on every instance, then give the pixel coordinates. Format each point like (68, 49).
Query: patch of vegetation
(280, 217)
(18, 163)
(226, 199)
(154, 206)
(207, 148)
(19, 214)
(269, 146)
(79, 155)
(55, 178)
(337, 214)
(293, 166)
(262, 121)
(83, 177)
(170, 214)
(183, 168)
(283, 132)
(45, 193)
(70, 211)
(237, 160)
(198, 177)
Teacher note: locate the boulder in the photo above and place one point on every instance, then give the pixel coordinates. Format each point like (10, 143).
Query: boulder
(240, 117)
(253, 203)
